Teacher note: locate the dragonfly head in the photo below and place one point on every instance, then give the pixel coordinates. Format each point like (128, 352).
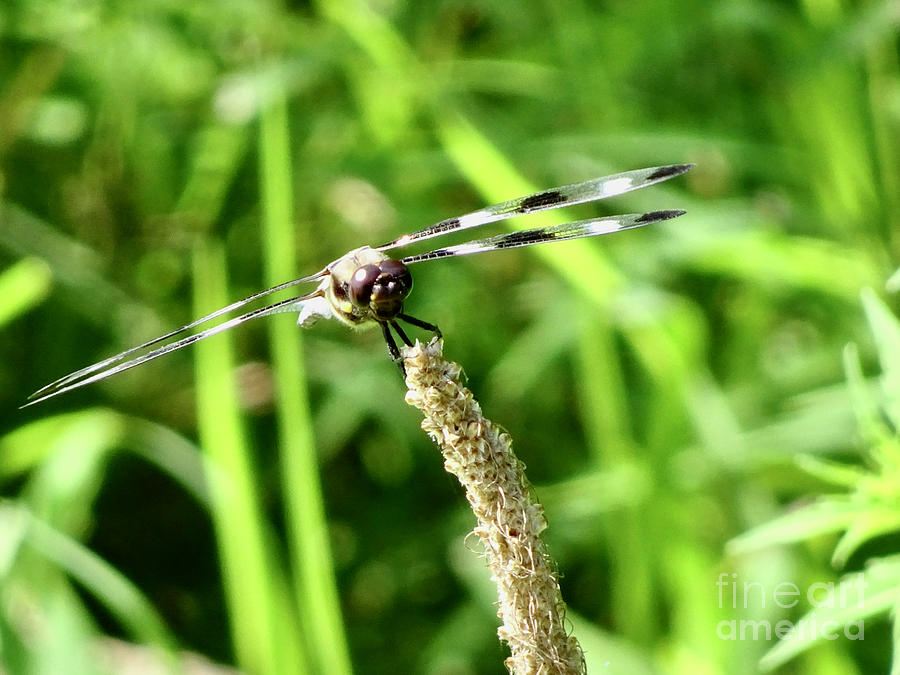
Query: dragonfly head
(381, 288)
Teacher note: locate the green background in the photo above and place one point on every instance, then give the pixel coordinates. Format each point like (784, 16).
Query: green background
(666, 387)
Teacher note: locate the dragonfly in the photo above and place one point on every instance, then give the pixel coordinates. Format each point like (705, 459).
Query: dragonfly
(368, 287)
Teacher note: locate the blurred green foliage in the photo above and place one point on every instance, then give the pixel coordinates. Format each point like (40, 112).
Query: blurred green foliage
(670, 388)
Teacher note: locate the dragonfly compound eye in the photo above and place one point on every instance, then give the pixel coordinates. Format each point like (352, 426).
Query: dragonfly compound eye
(382, 289)
(362, 283)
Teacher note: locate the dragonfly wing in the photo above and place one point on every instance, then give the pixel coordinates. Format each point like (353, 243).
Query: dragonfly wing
(576, 230)
(119, 362)
(554, 198)
(106, 363)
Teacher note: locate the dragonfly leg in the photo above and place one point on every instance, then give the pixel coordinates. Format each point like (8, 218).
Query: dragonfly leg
(402, 334)
(392, 345)
(393, 351)
(413, 321)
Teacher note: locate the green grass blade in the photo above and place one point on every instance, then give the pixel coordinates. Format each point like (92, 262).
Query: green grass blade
(117, 593)
(886, 330)
(249, 573)
(315, 590)
(842, 612)
(22, 286)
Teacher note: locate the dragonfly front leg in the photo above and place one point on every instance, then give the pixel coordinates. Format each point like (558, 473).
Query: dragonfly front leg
(402, 335)
(413, 321)
(393, 351)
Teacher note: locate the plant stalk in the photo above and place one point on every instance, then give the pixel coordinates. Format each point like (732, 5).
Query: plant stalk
(480, 455)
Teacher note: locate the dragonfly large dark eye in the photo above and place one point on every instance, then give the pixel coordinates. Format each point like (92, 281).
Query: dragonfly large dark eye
(381, 289)
(361, 285)
(390, 290)
(395, 280)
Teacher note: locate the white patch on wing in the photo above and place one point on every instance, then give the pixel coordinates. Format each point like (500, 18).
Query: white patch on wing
(471, 247)
(606, 225)
(617, 186)
(473, 219)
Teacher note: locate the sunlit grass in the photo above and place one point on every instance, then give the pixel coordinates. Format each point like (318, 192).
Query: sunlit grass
(309, 548)
(265, 638)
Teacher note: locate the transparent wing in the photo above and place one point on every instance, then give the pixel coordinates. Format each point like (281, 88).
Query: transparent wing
(554, 198)
(576, 230)
(120, 362)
